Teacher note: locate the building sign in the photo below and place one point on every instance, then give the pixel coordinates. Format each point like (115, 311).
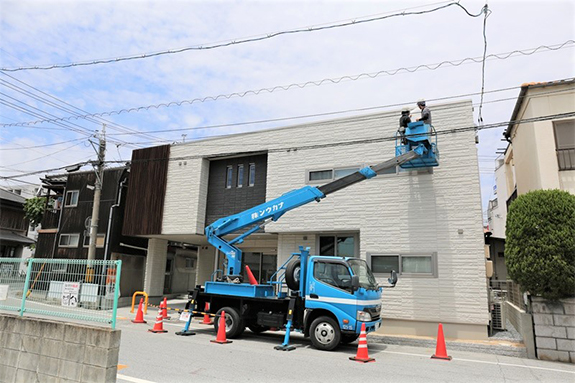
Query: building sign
(70, 292)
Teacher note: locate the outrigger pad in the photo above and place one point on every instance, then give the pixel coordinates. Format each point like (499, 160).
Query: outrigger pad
(186, 333)
(284, 348)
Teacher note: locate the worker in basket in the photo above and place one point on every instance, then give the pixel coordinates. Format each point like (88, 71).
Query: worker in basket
(403, 121)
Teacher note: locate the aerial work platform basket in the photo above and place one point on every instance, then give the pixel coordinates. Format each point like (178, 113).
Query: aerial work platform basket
(418, 133)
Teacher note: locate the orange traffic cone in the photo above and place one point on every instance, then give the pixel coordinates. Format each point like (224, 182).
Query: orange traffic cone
(207, 319)
(440, 350)
(159, 325)
(251, 277)
(164, 306)
(140, 313)
(221, 338)
(362, 355)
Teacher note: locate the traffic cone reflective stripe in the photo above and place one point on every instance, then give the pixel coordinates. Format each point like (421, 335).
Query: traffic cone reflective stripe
(221, 338)
(164, 306)
(362, 354)
(140, 313)
(440, 349)
(207, 319)
(159, 325)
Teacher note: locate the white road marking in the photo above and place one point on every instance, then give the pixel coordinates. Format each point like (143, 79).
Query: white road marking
(485, 362)
(134, 380)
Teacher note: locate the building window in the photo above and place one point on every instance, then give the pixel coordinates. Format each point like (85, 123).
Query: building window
(229, 174)
(189, 263)
(337, 245)
(416, 265)
(565, 144)
(252, 175)
(329, 174)
(320, 175)
(100, 240)
(71, 198)
(240, 175)
(69, 240)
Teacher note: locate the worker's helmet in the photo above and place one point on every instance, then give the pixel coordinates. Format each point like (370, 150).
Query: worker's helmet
(405, 110)
(421, 102)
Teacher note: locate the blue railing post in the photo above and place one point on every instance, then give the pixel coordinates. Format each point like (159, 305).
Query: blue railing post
(26, 286)
(116, 292)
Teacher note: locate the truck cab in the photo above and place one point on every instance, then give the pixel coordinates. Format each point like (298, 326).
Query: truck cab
(344, 291)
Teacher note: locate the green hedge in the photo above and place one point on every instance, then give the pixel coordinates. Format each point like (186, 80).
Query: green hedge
(540, 243)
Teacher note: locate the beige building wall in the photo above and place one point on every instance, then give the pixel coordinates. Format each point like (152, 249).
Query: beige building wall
(437, 212)
(534, 147)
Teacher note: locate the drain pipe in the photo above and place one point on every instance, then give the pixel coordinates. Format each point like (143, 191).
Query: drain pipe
(119, 200)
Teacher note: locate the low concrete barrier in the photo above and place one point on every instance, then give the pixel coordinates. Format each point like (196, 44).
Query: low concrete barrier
(554, 329)
(39, 350)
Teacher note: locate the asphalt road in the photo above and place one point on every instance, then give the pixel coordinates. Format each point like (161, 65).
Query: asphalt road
(147, 357)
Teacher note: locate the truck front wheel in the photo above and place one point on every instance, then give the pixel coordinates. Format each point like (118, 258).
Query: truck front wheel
(325, 333)
(234, 324)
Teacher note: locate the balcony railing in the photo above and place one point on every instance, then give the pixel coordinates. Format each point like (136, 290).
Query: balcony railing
(566, 158)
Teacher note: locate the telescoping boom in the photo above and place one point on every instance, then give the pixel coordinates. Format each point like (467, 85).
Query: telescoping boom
(257, 217)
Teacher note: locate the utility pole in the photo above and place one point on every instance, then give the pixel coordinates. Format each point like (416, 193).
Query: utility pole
(99, 168)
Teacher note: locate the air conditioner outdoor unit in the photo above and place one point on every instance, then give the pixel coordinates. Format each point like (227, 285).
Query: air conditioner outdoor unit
(498, 318)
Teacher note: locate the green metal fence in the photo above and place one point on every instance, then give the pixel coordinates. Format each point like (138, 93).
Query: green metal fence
(68, 288)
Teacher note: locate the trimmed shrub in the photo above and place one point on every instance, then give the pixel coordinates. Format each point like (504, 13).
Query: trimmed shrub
(540, 243)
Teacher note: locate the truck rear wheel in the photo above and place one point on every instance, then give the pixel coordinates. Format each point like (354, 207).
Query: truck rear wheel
(292, 275)
(325, 333)
(234, 323)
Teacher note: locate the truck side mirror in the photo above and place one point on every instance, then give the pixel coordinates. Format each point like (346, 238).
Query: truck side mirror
(354, 283)
(393, 279)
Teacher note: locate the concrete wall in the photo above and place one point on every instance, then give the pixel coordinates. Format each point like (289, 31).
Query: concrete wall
(554, 329)
(523, 323)
(37, 350)
(155, 267)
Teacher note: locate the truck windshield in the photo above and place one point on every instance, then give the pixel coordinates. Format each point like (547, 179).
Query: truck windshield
(366, 278)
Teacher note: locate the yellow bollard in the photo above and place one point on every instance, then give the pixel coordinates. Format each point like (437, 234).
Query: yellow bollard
(145, 301)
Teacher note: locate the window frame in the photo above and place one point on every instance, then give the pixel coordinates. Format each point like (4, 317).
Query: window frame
(327, 169)
(335, 236)
(251, 180)
(229, 177)
(87, 237)
(562, 147)
(432, 255)
(77, 192)
(240, 176)
(69, 235)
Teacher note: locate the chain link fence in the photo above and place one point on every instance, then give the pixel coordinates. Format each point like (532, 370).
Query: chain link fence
(69, 288)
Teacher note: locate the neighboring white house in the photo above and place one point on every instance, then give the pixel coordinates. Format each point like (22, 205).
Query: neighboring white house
(426, 224)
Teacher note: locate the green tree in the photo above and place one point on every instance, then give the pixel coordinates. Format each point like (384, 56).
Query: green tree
(34, 209)
(540, 244)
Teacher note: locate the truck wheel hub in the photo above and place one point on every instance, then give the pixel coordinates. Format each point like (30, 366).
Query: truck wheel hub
(324, 333)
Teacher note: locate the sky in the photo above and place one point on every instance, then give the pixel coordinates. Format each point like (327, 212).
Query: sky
(45, 33)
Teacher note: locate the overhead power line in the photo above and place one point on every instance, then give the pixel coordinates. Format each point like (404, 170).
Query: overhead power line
(357, 21)
(318, 146)
(62, 105)
(500, 56)
(358, 119)
(486, 13)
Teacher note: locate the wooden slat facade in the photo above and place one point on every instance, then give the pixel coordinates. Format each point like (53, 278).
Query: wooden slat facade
(146, 191)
